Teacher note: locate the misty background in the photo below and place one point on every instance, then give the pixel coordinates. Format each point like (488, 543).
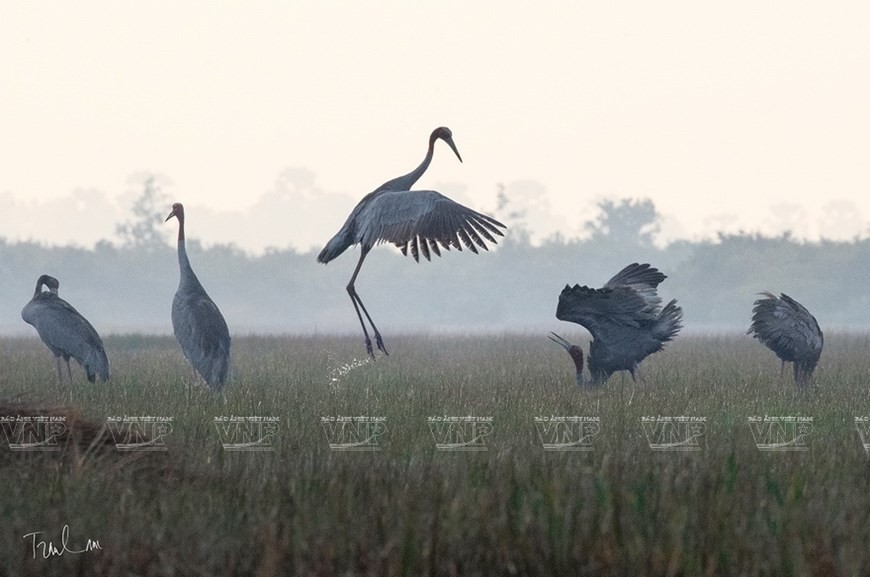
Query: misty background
(125, 281)
(725, 144)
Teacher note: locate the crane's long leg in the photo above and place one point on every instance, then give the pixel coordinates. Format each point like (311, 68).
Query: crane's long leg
(635, 377)
(59, 374)
(68, 371)
(358, 304)
(378, 339)
(638, 376)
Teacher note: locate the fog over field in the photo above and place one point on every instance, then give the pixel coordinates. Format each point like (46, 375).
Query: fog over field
(126, 284)
(728, 127)
(297, 212)
(726, 144)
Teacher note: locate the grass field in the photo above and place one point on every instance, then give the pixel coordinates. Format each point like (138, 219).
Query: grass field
(411, 509)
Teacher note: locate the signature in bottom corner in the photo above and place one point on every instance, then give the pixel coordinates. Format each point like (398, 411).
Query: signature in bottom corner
(48, 549)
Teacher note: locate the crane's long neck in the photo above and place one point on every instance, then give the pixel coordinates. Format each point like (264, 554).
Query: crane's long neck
(577, 357)
(407, 181)
(413, 176)
(183, 261)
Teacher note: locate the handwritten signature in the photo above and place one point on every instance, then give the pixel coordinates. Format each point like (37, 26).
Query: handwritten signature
(48, 549)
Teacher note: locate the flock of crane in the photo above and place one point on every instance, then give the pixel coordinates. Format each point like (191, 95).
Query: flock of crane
(625, 316)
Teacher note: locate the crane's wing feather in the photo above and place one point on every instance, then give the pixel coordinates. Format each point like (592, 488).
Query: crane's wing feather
(643, 278)
(63, 329)
(599, 309)
(204, 337)
(421, 220)
(637, 274)
(786, 327)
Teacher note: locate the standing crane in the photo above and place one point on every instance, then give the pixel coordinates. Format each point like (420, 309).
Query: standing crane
(65, 331)
(415, 219)
(626, 320)
(788, 329)
(197, 322)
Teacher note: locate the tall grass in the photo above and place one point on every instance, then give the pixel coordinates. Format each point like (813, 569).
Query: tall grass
(410, 509)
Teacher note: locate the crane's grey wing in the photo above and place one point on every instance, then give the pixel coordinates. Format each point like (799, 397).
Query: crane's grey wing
(786, 327)
(637, 274)
(423, 219)
(643, 278)
(669, 323)
(63, 329)
(204, 337)
(599, 310)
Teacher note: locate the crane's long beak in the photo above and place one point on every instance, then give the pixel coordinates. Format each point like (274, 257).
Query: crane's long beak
(576, 356)
(449, 141)
(560, 341)
(171, 214)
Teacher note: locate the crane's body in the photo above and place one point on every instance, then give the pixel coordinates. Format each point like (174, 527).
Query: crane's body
(625, 318)
(197, 322)
(634, 344)
(788, 329)
(65, 331)
(421, 221)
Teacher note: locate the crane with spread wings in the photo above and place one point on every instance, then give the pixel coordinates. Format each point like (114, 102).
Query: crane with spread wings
(415, 220)
(625, 318)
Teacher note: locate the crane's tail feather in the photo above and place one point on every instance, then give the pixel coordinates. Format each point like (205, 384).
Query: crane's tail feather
(336, 245)
(669, 323)
(96, 365)
(214, 370)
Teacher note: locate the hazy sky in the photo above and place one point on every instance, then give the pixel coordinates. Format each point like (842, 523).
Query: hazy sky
(272, 119)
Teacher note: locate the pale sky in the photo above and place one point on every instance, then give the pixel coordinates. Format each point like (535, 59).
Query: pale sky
(272, 119)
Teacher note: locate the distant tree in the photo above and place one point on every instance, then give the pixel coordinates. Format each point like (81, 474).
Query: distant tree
(514, 217)
(627, 222)
(145, 230)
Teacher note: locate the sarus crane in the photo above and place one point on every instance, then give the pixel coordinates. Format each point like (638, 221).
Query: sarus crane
(625, 318)
(419, 220)
(788, 329)
(197, 322)
(65, 331)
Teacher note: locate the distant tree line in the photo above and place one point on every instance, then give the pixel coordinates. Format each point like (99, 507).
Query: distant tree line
(127, 286)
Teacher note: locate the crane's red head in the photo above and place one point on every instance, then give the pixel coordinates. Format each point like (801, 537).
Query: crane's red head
(446, 135)
(574, 351)
(177, 212)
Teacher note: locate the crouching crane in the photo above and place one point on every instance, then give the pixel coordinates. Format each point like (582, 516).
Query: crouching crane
(788, 329)
(65, 331)
(625, 318)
